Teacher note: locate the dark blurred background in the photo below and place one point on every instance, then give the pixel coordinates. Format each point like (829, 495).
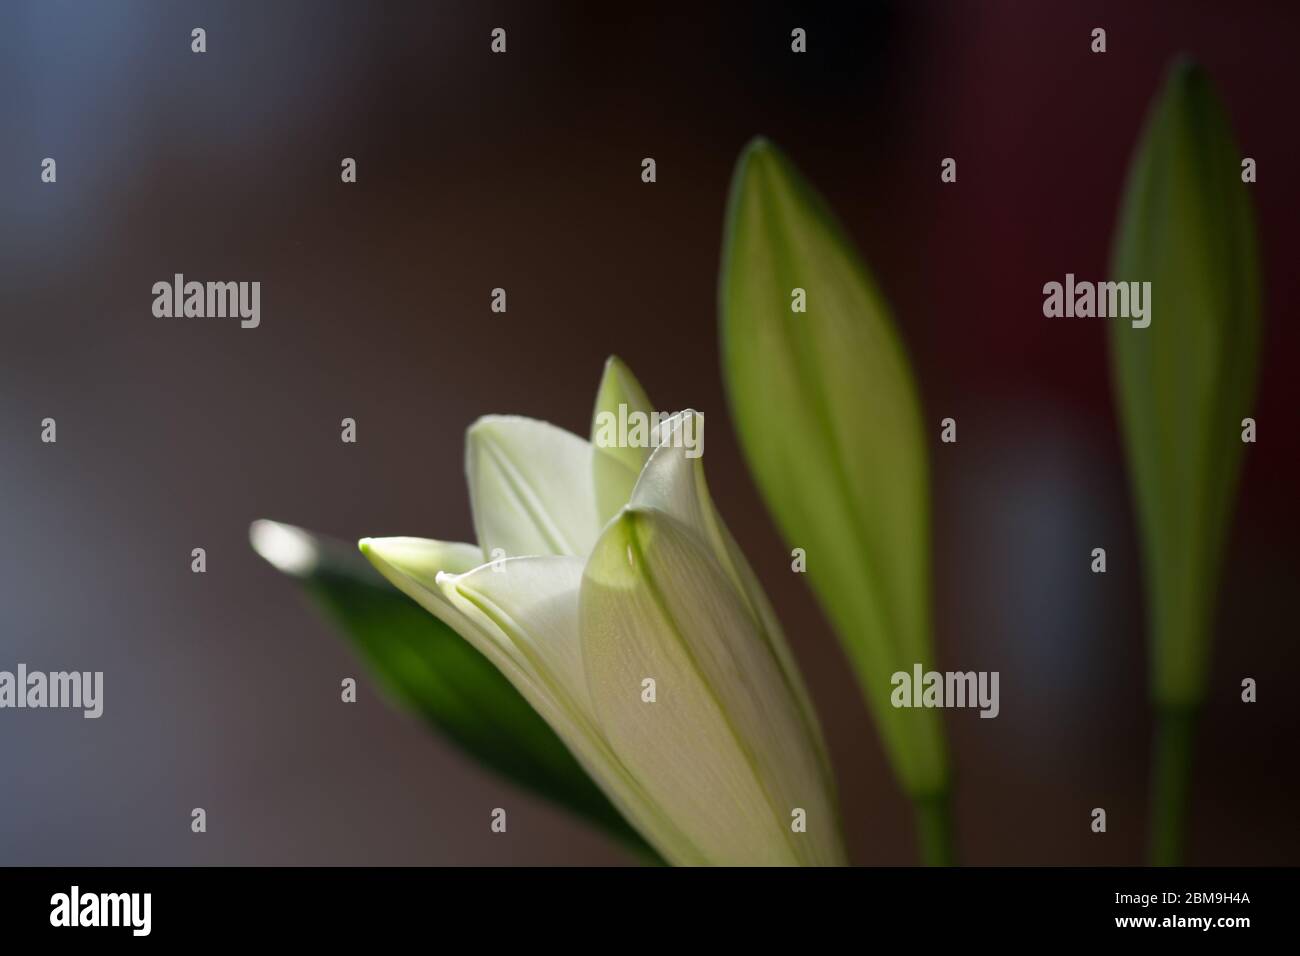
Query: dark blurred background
(523, 171)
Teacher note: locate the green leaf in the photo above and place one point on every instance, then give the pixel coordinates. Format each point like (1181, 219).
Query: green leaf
(426, 667)
(830, 423)
(1184, 383)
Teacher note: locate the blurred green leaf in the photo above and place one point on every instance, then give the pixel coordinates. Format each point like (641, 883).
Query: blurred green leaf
(830, 423)
(1184, 383)
(426, 667)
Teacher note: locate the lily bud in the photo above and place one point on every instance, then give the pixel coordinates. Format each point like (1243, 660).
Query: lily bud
(1184, 383)
(724, 763)
(829, 419)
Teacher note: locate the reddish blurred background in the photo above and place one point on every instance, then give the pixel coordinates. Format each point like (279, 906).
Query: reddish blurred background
(523, 171)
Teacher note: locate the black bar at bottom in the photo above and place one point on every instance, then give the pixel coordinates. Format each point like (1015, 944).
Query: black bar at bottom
(585, 907)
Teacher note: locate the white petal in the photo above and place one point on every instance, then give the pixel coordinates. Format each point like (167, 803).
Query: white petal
(416, 567)
(534, 601)
(615, 465)
(673, 483)
(530, 488)
(522, 614)
(425, 557)
(724, 751)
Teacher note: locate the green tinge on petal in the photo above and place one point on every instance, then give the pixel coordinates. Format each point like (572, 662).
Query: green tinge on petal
(830, 423)
(427, 558)
(530, 487)
(534, 602)
(673, 482)
(615, 466)
(723, 750)
(1184, 383)
(427, 668)
(401, 562)
(522, 614)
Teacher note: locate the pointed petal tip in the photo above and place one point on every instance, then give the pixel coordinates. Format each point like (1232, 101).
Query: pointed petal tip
(617, 380)
(386, 548)
(617, 462)
(680, 434)
(489, 424)
(1188, 85)
(420, 563)
(402, 559)
(759, 145)
(1185, 69)
(761, 157)
(387, 552)
(506, 428)
(482, 426)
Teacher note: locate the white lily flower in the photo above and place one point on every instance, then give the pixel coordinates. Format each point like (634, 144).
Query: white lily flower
(726, 764)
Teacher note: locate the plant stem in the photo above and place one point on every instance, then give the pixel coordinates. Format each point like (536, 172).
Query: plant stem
(1171, 783)
(934, 829)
